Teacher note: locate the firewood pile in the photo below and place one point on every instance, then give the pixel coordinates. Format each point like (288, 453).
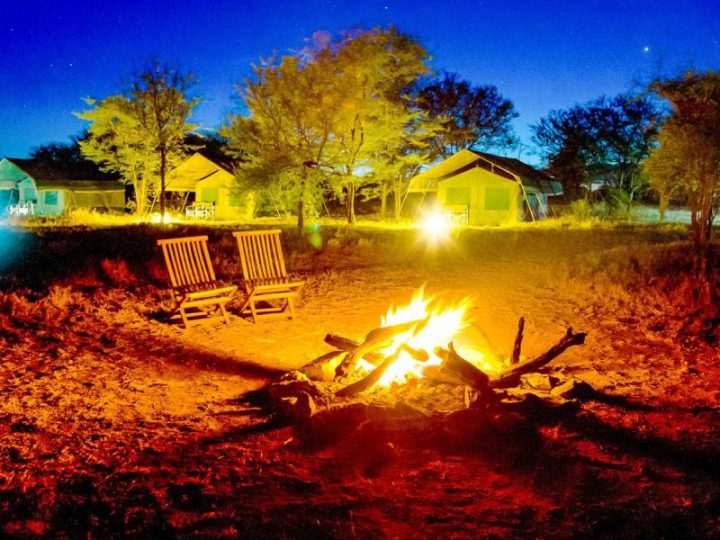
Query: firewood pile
(447, 382)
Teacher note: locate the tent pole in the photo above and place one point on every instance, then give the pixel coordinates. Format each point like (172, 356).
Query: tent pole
(525, 198)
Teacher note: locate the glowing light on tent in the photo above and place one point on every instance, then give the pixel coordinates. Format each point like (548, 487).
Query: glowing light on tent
(157, 219)
(436, 226)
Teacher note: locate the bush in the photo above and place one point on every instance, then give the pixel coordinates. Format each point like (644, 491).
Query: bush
(581, 210)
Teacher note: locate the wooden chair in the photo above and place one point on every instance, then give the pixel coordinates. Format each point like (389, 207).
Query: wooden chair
(270, 291)
(193, 278)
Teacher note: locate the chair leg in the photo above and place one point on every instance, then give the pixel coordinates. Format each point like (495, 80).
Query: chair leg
(291, 308)
(253, 311)
(224, 313)
(183, 316)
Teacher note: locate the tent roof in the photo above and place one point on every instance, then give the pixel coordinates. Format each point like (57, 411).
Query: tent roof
(464, 160)
(47, 174)
(196, 168)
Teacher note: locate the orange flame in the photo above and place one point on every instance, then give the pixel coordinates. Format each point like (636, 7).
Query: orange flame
(438, 327)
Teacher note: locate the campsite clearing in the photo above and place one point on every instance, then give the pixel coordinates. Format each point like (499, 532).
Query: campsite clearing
(117, 421)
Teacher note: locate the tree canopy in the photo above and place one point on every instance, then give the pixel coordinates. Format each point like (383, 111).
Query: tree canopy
(605, 140)
(474, 117)
(140, 132)
(686, 164)
(325, 117)
(67, 159)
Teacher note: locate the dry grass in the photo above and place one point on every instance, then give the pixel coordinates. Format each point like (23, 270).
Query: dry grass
(117, 424)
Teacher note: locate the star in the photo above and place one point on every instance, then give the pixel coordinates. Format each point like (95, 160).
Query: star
(646, 49)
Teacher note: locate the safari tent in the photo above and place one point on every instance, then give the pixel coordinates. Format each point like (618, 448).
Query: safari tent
(485, 189)
(30, 187)
(204, 183)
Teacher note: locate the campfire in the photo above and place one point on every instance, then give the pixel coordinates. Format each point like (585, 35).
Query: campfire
(423, 346)
(408, 338)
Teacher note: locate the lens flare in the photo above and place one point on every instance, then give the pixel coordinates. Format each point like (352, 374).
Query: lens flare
(436, 226)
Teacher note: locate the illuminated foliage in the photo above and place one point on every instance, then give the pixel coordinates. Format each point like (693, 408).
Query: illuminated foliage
(686, 165)
(140, 133)
(325, 119)
(116, 144)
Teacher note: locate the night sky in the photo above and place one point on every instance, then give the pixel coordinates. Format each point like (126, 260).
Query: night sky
(542, 54)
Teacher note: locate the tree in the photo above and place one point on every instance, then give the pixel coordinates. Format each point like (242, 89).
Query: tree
(687, 162)
(115, 142)
(159, 102)
(400, 157)
(316, 120)
(605, 140)
(374, 71)
(140, 132)
(284, 137)
(67, 160)
(472, 117)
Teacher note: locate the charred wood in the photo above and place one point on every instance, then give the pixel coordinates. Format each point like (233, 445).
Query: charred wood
(518, 342)
(375, 341)
(463, 370)
(369, 380)
(511, 376)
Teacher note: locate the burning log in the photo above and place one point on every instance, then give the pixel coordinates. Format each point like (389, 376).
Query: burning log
(366, 382)
(342, 343)
(456, 366)
(375, 341)
(418, 355)
(348, 345)
(518, 342)
(323, 367)
(511, 376)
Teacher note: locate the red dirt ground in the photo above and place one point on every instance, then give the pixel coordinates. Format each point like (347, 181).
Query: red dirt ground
(115, 423)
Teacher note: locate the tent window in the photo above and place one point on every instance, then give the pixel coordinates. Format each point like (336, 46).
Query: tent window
(457, 195)
(497, 198)
(51, 198)
(28, 194)
(210, 194)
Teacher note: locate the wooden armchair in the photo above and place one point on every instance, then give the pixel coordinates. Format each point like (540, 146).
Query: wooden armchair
(269, 289)
(193, 279)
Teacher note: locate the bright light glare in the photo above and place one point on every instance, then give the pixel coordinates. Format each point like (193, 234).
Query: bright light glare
(436, 226)
(167, 218)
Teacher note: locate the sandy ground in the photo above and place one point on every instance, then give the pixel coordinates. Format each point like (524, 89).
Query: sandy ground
(115, 423)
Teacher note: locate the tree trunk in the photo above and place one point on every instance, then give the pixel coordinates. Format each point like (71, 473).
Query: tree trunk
(350, 203)
(663, 205)
(163, 165)
(397, 197)
(301, 204)
(383, 200)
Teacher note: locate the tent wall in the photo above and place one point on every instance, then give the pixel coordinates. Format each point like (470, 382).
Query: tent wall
(487, 198)
(100, 199)
(218, 189)
(28, 191)
(52, 202)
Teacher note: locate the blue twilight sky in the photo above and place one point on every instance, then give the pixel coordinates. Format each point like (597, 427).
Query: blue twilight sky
(543, 54)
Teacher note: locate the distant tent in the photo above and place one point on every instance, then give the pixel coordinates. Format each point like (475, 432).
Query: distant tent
(485, 189)
(49, 191)
(206, 182)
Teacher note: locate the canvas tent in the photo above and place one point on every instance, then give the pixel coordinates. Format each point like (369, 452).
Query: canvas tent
(485, 189)
(38, 189)
(201, 181)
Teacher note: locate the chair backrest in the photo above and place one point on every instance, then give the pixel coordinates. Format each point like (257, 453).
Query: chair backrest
(188, 261)
(261, 254)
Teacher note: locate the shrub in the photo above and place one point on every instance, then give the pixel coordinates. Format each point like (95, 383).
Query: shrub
(581, 210)
(117, 273)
